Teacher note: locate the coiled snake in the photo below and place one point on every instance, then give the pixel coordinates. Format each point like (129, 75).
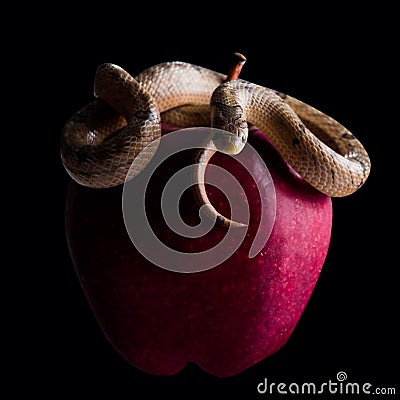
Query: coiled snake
(100, 141)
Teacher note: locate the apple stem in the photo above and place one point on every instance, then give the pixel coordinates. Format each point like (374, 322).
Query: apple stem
(236, 66)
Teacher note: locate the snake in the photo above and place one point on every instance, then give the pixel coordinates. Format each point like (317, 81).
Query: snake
(100, 141)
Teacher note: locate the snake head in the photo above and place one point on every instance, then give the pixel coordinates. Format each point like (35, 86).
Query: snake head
(231, 120)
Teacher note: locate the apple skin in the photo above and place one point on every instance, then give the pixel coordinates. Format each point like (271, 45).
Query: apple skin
(225, 319)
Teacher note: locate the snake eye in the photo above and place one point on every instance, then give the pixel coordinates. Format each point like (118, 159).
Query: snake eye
(218, 121)
(243, 137)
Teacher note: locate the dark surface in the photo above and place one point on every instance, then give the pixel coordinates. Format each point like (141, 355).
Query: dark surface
(334, 64)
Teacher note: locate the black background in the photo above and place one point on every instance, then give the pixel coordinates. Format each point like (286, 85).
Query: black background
(338, 62)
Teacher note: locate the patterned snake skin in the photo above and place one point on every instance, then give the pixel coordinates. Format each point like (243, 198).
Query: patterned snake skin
(100, 142)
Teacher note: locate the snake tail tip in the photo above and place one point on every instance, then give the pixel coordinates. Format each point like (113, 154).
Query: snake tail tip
(229, 223)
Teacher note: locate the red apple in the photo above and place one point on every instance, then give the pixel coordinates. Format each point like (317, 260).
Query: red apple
(224, 319)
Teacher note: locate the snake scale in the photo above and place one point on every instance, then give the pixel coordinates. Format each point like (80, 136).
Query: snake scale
(100, 141)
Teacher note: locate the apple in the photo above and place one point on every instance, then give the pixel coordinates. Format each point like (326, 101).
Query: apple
(225, 319)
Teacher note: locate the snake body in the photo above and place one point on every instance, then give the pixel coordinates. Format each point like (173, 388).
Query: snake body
(317, 147)
(100, 142)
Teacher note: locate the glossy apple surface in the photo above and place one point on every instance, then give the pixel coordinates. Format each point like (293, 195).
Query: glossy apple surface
(225, 319)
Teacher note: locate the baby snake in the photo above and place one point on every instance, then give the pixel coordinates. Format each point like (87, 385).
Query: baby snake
(100, 141)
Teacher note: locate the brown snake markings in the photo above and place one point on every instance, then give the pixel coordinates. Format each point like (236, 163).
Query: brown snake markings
(100, 142)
